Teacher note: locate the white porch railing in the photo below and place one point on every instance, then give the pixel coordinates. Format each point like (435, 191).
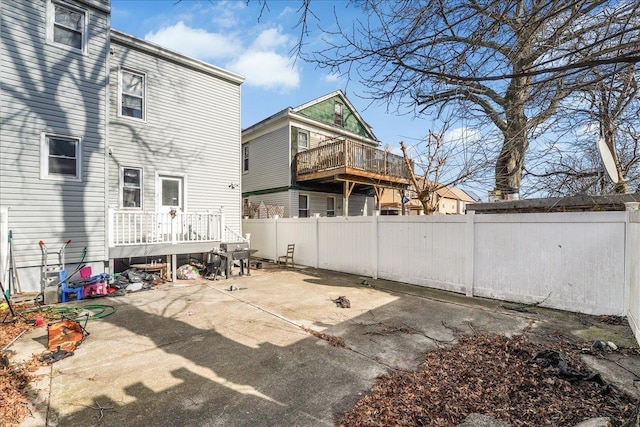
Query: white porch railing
(142, 227)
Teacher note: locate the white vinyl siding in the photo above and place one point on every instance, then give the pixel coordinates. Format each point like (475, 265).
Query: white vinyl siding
(54, 91)
(269, 160)
(201, 137)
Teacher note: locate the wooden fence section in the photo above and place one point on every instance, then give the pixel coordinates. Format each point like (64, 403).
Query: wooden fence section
(578, 261)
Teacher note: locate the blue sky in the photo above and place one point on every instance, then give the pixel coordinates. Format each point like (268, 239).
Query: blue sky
(235, 35)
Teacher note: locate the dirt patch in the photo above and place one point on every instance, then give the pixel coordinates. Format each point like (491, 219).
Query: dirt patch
(495, 376)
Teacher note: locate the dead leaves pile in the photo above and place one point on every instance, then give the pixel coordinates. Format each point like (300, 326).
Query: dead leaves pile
(15, 378)
(494, 376)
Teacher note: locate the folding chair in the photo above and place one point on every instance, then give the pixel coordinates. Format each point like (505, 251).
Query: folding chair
(285, 259)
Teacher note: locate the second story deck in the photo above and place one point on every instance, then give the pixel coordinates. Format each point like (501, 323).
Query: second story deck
(351, 161)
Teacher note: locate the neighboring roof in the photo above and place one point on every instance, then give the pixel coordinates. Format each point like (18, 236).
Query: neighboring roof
(159, 51)
(454, 193)
(295, 113)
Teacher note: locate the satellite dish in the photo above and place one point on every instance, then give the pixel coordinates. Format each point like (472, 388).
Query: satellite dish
(607, 160)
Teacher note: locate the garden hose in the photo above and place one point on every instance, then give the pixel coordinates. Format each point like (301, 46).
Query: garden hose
(98, 311)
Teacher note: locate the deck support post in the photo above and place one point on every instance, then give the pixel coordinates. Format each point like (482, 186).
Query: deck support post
(348, 188)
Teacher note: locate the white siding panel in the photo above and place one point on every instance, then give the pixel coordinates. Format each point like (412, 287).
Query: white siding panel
(50, 89)
(192, 129)
(269, 165)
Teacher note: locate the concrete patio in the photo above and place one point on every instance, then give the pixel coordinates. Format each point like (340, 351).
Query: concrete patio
(194, 353)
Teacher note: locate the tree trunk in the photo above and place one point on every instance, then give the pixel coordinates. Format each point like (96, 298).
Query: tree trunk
(510, 162)
(609, 138)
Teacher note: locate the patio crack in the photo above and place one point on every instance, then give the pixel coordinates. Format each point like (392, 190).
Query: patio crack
(332, 340)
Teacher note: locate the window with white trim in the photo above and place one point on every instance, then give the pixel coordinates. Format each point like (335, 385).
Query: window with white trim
(67, 26)
(338, 116)
(245, 158)
(303, 206)
(303, 140)
(331, 206)
(61, 157)
(131, 182)
(132, 94)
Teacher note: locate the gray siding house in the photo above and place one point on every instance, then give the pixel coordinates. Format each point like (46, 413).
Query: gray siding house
(320, 158)
(123, 147)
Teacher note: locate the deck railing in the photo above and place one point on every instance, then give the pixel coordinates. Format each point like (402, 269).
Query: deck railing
(143, 227)
(351, 154)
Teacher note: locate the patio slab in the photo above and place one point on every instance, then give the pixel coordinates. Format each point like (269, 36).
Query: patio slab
(196, 353)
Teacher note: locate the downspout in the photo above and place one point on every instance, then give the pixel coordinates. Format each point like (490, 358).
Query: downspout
(107, 216)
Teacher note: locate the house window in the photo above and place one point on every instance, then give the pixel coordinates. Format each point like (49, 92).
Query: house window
(331, 206)
(67, 26)
(338, 115)
(303, 140)
(61, 157)
(245, 158)
(303, 206)
(132, 94)
(131, 181)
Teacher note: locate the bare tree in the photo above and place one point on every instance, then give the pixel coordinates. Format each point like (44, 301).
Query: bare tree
(440, 161)
(607, 108)
(509, 64)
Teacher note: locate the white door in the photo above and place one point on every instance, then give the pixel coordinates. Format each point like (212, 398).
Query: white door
(170, 193)
(170, 199)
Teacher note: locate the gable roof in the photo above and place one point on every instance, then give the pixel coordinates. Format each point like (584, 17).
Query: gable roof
(308, 108)
(308, 112)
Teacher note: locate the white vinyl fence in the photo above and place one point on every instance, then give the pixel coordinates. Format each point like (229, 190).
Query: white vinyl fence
(579, 261)
(633, 261)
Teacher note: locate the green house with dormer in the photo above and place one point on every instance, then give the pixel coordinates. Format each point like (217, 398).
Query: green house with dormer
(320, 158)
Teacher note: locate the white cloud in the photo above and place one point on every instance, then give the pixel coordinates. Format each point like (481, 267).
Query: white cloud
(461, 135)
(331, 77)
(195, 42)
(267, 69)
(261, 63)
(271, 38)
(264, 66)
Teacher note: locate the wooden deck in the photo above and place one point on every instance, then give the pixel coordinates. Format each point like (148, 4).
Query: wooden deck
(354, 162)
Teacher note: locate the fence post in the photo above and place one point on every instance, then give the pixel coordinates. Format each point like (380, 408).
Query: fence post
(4, 241)
(275, 240)
(222, 225)
(374, 261)
(317, 261)
(111, 227)
(629, 206)
(470, 247)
